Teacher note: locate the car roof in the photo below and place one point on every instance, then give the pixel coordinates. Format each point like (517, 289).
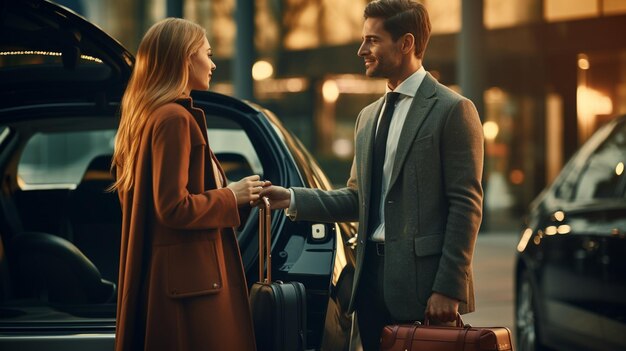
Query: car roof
(48, 53)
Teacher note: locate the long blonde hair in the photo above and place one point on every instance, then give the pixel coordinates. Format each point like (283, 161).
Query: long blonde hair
(160, 76)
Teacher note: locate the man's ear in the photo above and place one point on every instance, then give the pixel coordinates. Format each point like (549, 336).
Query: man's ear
(408, 43)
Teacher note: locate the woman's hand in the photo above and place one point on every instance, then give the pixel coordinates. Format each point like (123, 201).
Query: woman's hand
(247, 189)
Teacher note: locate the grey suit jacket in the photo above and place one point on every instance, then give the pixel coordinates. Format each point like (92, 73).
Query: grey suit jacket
(433, 207)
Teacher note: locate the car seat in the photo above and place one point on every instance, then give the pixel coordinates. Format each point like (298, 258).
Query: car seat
(95, 217)
(51, 268)
(235, 165)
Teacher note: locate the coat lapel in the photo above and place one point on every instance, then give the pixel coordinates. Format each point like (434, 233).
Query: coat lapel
(422, 103)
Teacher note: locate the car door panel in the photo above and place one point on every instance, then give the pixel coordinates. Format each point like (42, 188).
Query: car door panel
(56, 341)
(296, 254)
(569, 284)
(614, 261)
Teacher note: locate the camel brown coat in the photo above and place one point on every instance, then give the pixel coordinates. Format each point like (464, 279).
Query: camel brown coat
(181, 281)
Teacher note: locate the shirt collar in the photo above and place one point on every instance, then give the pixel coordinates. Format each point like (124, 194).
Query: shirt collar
(410, 85)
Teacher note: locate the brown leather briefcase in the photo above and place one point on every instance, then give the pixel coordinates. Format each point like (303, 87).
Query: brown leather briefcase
(424, 337)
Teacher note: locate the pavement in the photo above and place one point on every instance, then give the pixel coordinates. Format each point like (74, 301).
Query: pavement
(494, 259)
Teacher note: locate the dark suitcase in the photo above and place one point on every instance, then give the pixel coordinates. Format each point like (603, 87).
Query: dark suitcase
(278, 309)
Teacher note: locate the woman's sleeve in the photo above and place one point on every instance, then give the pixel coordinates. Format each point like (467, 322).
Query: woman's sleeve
(175, 206)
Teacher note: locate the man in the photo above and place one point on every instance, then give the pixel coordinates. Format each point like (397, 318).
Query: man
(415, 183)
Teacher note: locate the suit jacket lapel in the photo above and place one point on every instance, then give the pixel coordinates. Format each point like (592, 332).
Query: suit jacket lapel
(365, 144)
(422, 103)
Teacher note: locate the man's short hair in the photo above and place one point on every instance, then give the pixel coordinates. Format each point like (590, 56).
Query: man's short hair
(401, 17)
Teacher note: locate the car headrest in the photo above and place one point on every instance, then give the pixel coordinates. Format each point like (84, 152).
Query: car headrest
(99, 169)
(235, 165)
(48, 265)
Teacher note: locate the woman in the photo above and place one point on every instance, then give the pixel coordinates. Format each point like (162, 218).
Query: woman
(181, 281)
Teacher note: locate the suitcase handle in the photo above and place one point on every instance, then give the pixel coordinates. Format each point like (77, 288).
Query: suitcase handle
(265, 251)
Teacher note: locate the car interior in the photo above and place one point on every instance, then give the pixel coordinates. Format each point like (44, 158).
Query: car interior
(60, 226)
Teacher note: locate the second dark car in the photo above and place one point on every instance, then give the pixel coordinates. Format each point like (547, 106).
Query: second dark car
(571, 266)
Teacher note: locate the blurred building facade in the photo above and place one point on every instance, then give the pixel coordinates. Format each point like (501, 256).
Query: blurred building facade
(544, 74)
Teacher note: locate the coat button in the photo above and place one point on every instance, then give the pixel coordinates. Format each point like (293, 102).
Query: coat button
(216, 286)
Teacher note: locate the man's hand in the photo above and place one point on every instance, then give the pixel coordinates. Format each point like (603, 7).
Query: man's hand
(279, 197)
(441, 308)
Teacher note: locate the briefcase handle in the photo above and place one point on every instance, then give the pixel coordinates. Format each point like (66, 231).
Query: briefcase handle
(459, 321)
(265, 251)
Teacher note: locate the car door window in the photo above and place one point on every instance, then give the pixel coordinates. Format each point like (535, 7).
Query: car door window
(233, 149)
(603, 175)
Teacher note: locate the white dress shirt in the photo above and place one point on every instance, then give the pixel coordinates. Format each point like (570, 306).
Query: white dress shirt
(407, 91)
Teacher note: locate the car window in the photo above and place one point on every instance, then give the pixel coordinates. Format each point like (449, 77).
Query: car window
(603, 175)
(4, 132)
(236, 154)
(566, 188)
(59, 159)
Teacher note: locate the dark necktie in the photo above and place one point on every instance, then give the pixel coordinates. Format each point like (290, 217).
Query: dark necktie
(378, 160)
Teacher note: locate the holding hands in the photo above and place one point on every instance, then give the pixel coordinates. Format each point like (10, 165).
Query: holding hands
(251, 189)
(279, 197)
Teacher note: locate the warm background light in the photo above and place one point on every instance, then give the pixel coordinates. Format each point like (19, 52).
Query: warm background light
(559, 216)
(262, 70)
(490, 130)
(583, 62)
(593, 102)
(330, 91)
(516, 176)
(521, 246)
(343, 148)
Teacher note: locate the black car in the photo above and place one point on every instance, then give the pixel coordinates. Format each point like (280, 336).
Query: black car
(571, 266)
(61, 81)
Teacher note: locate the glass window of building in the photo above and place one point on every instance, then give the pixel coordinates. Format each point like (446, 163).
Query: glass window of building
(445, 15)
(561, 10)
(613, 7)
(499, 130)
(218, 17)
(509, 13)
(601, 89)
(308, 24)
(267, 26)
